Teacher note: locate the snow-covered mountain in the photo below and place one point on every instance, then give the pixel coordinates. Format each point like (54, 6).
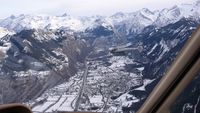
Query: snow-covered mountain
(133, 22)
(22, 22)
(177, 12)
(119, 82)
(35, 60)
(65, 63)
(4, 32)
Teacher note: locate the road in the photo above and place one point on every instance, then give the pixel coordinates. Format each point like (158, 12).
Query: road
(82, 86)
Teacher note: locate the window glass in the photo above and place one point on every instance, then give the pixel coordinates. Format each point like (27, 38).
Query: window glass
(101, 56)
(189, 100)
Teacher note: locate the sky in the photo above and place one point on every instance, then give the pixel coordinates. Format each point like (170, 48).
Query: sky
(81, 7)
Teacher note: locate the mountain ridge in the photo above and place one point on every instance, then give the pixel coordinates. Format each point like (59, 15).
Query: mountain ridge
(142, 18)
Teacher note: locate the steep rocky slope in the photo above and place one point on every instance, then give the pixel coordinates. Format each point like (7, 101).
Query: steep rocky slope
(118, 82)
(101, 64)
(35, 60)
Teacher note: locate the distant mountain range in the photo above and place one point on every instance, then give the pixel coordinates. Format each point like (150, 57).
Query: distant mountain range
(100, 64)
(134, 22)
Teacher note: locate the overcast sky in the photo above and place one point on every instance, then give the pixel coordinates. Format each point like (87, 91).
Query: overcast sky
(80, 7)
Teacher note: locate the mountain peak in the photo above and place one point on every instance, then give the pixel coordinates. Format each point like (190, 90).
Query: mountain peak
(118, 14)
(141, 18)
(146, 10)
(65, 14)
(12, 16)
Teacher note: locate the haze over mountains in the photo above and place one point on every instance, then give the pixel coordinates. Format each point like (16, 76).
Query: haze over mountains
(139, 19)
(65, 63)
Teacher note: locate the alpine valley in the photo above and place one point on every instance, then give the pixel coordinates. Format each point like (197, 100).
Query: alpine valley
(99, 63)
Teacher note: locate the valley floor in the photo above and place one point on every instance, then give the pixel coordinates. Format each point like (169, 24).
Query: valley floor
(99, 88)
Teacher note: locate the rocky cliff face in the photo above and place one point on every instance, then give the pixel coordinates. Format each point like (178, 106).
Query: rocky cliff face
(100, 64)
(35, 60)
(55, 70)
(121, 81)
